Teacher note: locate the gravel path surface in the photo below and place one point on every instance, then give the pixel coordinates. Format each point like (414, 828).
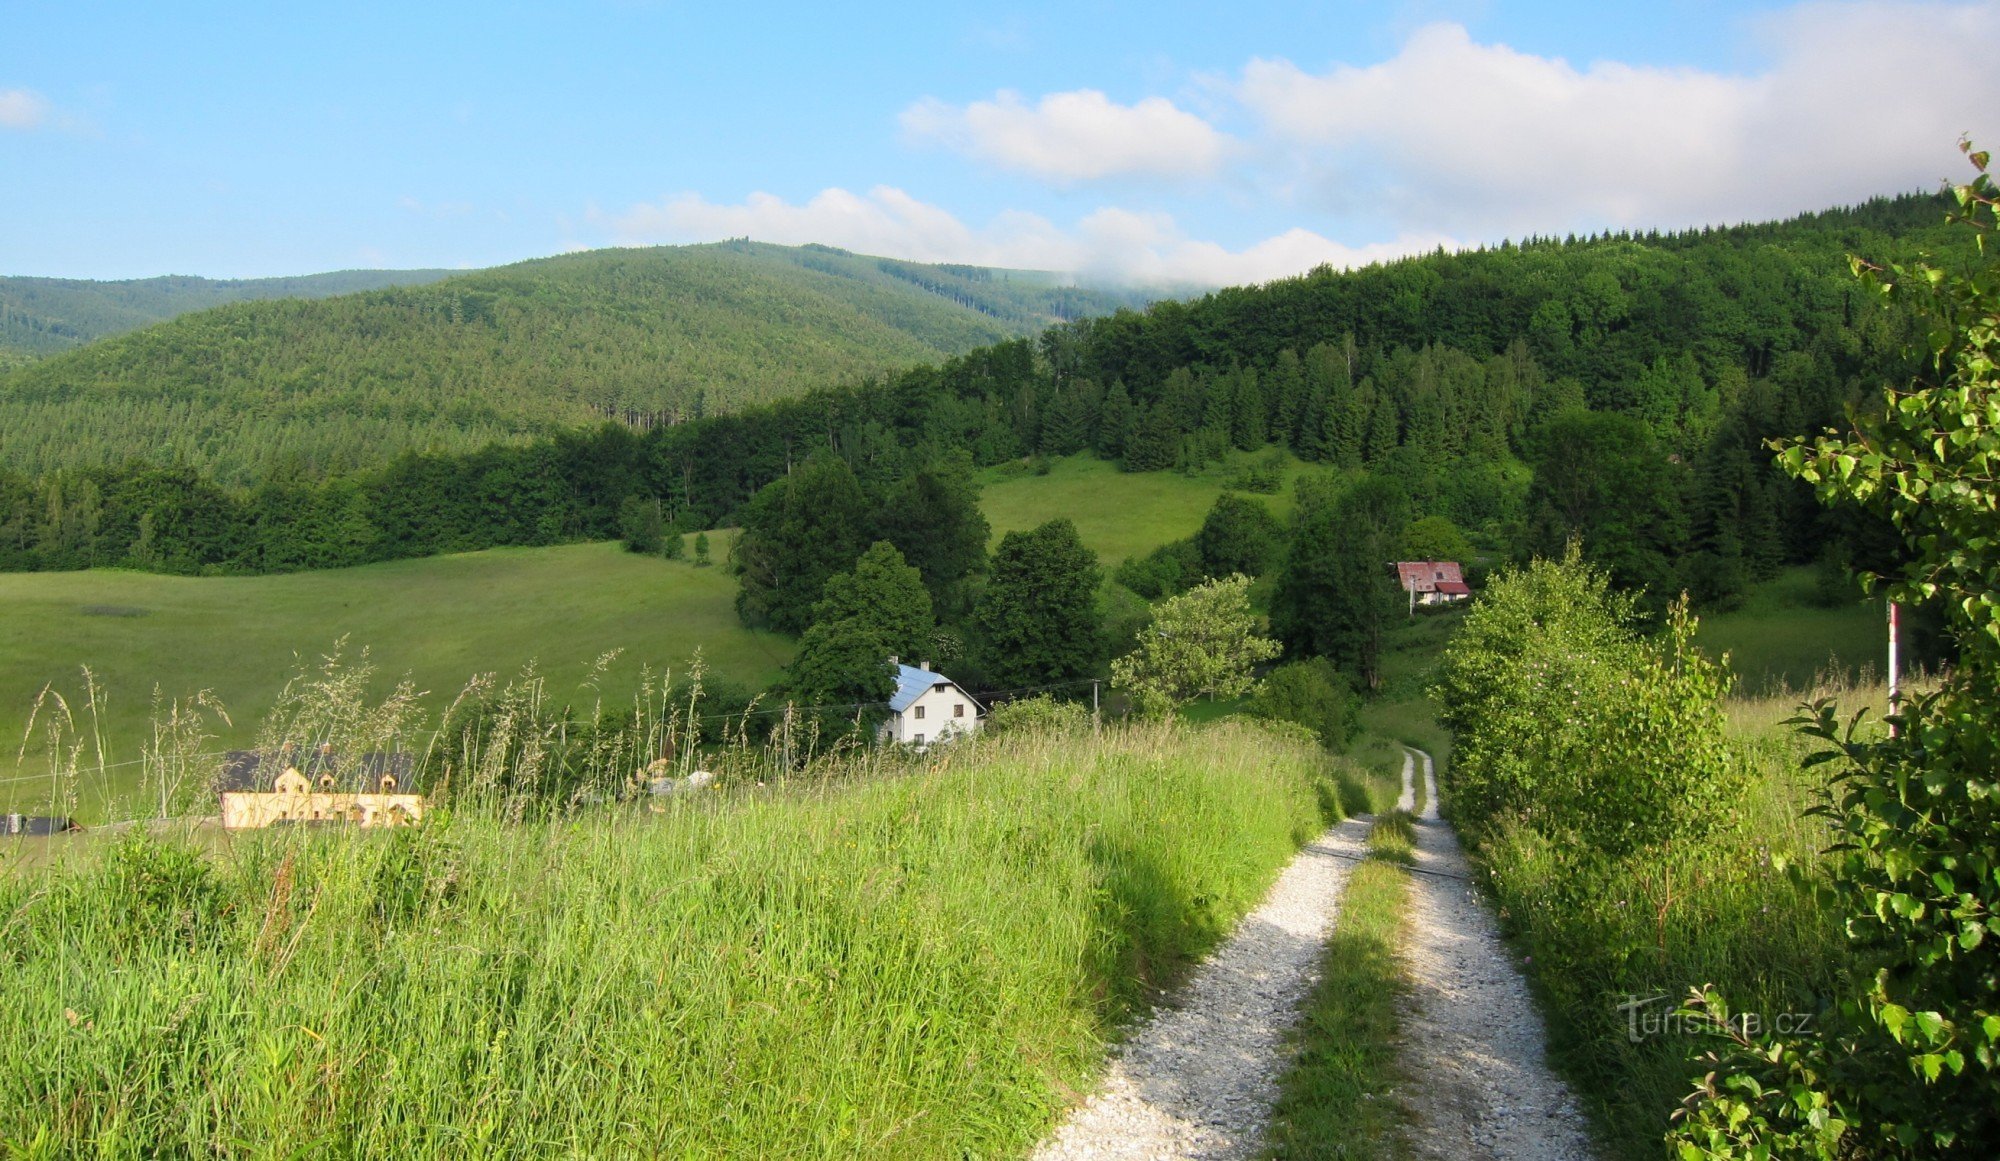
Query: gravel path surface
(1198, 1078)
(1472, 1037)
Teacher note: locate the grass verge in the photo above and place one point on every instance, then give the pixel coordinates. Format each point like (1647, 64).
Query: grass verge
(1335, 1101)
(926, 965)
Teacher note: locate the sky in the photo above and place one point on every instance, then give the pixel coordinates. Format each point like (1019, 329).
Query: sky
(1155, 142)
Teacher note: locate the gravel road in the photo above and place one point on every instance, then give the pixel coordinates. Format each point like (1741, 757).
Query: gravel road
(1198, 1078)
(1472, 1038)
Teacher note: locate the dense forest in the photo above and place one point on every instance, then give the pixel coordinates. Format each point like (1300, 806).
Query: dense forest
(662, 335)
(1616, 388)
(44, 316)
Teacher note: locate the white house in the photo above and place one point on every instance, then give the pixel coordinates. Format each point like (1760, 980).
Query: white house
(928, 707)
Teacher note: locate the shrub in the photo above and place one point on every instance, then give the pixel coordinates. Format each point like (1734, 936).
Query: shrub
(1040, 712)
(1564, 716)
(1173, 567)
(1313, 694)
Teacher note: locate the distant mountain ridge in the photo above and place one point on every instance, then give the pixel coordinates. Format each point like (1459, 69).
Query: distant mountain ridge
(657, 334)
(43, 316)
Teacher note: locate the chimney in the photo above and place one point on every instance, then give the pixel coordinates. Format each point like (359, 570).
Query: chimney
(893, 659)
(924, 665)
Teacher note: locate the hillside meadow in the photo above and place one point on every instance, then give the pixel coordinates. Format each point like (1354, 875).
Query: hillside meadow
(440, 620)
(911, 958)
(1118, 514)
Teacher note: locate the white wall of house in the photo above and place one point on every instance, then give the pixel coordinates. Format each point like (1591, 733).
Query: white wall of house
(935, 714)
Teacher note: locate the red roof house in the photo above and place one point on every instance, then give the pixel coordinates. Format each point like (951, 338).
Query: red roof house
(1432, 582)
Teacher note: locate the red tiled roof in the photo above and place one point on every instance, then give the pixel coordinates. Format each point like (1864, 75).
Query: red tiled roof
(1427, 576)
(1454, 588)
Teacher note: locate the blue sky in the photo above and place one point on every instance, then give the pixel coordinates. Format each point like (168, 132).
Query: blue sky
(1158, 141)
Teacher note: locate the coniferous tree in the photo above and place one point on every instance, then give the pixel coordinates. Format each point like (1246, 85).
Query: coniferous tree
(1066, 426)
(1155, 442)
(1114, 421)
(1247, 418)
(1285, 390)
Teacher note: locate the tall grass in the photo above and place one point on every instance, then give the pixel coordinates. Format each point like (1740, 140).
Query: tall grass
(909, 957)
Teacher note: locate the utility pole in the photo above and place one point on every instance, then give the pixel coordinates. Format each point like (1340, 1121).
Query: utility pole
(1096, 722)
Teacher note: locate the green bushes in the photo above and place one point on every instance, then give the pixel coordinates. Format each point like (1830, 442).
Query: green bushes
(921, 964)
(1315, 695)
(1565, 717)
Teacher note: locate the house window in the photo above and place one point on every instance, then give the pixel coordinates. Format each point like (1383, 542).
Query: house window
(920, 739)
(940, 687)
(920, 713)
(958, 710)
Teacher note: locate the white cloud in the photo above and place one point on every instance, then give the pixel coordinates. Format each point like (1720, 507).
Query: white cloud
(1075, 136)
(21, 109)
(1109, 243)
(1859, 99)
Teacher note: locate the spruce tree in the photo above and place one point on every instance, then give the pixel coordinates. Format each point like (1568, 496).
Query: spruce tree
(1284, 391)
(1114, 421)
(1248, 418)
(1155, 443)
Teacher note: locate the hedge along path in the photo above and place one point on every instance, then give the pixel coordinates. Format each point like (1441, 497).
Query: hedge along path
(1472, 1035)
(1198, 1078)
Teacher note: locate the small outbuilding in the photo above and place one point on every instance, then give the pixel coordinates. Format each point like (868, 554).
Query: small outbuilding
(1432, 582)
(928, 707)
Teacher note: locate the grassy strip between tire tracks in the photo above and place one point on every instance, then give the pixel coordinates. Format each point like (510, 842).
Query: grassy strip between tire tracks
(926, 965)
(1336, 1100)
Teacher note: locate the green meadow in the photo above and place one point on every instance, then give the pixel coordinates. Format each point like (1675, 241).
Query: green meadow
(439, 621)
(1119, 514)
(1781, 640)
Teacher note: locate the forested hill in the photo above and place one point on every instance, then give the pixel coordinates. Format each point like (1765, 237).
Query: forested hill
(1619, 390)
(644, 335)
(44, 316)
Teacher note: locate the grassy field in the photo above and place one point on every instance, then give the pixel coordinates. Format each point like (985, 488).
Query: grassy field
(1780, 639)
(439, 620)
(878, 965)
(1118, 514)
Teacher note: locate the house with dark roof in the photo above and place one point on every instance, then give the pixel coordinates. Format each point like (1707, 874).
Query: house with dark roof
(928, 707)
(1432, 582)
